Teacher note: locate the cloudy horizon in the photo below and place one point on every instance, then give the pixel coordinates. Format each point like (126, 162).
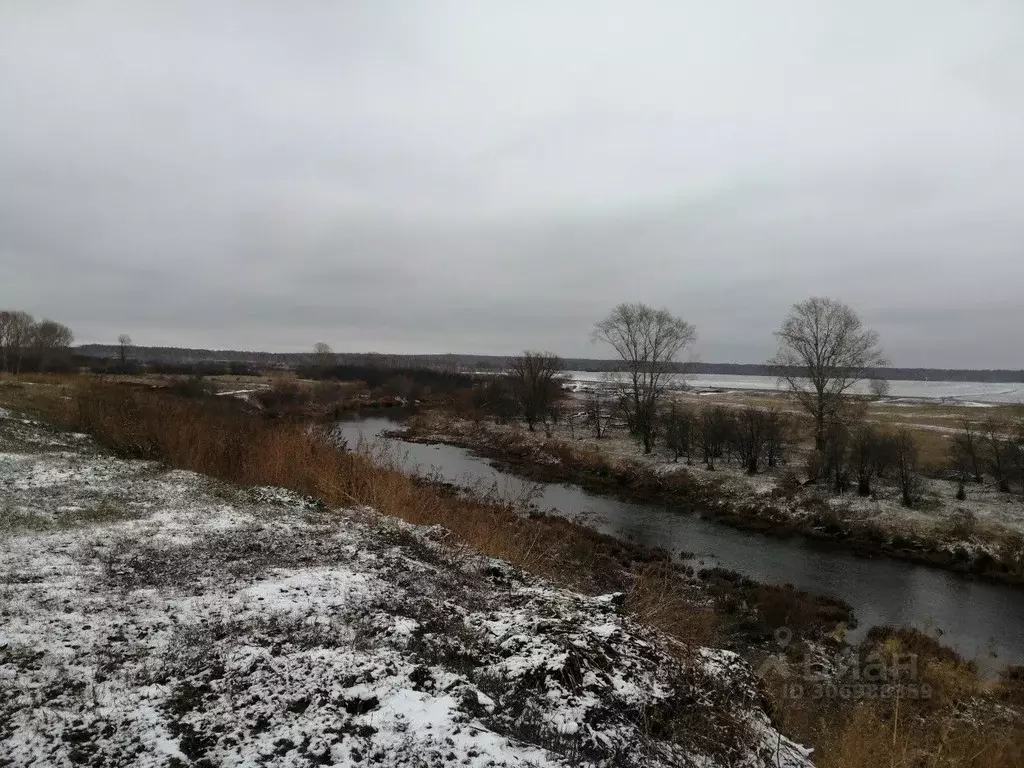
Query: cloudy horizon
(481, 178)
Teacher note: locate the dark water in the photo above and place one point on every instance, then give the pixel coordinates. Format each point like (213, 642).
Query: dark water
(975, 617)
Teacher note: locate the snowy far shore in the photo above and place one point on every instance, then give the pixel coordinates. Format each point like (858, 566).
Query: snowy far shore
(962, 393)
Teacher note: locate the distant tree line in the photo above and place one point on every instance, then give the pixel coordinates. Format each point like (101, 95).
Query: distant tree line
(30, 345)
(498, 363)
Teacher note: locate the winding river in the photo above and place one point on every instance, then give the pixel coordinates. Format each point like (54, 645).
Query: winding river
(980, 619)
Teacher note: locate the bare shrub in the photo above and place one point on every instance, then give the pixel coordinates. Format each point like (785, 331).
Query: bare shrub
(997, 450)
(778, 436)
(193, 386)
(714, 427)
(789, 484)
(495, 397)
(879, 387)
(962, 524)
(904, 454)
(679, 428)
(965, 451)
(601, 409)
(535, 386)
(867, 449)
(749, 434)
(836, 453)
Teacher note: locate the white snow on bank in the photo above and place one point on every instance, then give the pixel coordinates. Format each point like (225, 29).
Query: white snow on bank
(968, 393)
(155, 618)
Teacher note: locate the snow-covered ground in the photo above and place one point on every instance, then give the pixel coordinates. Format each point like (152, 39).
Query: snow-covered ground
(959, 392)
(156, 618)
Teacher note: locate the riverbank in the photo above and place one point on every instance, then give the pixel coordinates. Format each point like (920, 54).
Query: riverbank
(220, 438)
(958, 716)
(774, 503)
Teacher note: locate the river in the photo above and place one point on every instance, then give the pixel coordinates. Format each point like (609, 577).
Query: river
(975, 617)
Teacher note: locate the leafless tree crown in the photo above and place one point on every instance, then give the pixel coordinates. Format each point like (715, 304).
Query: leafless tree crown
(21, 335)
(124, 345)
(323, 355)
(647, 341)
(824, 349)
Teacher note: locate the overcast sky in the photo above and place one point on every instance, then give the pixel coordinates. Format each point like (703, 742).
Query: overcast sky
(488, 176)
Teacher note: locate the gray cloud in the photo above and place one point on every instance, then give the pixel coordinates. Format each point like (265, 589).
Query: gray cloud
(446, 176)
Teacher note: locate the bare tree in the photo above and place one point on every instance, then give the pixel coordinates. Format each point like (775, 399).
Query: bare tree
(534, 377)
(323, 355)
(749, 435)
(50, 341)
(777, 437)
(867, 450)
(903, 449)
(679, 432)
(837, 454)
(600, 408)
(124, 346)
(19, 333)
(824, 350)
(713, 431)
(573, 417)
(647, 340)
(6, 328)
(879, 387)
(997, 451)
(966, 450)
(1017, 454)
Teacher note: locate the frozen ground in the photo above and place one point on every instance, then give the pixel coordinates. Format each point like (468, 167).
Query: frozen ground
(155, 618)
(958, 392)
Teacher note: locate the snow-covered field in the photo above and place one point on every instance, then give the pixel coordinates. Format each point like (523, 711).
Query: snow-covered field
(156, 618)
(959, 392)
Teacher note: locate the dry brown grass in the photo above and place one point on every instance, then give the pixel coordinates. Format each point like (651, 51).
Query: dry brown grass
(870, 738)
(959, 725)
(655, 600)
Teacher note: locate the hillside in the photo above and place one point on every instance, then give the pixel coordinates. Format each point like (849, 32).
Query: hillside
(155, 617)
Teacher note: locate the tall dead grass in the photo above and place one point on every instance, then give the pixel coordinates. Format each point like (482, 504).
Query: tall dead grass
(963, 723)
